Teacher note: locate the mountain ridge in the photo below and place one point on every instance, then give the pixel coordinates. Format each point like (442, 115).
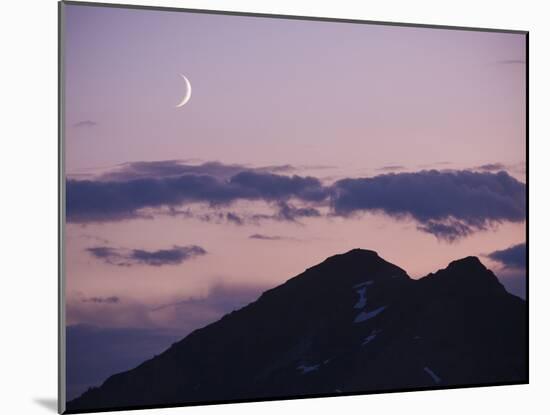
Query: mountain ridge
(352, 323)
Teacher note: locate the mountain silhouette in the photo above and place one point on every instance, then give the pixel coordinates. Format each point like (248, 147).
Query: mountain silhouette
(353, 323)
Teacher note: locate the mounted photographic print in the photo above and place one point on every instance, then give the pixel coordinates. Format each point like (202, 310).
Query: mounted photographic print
(258, 207)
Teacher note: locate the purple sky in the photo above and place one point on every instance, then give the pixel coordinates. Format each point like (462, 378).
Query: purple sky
(331, 101)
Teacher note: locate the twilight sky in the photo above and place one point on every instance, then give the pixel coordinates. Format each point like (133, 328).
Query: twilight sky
(301, 140)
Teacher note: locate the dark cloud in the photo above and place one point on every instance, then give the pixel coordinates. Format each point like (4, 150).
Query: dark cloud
(234, 218)
(274, 187)
(266, 237)
(85, 124)
(447, 204)
(98, 200)
(285, 168)
(448, 230)
(214, 216)
(174, 168)
(128, 257)
(514, 257)
(170, 168)
(283, 212)
(513, 272)
(288, 212)
(491, 167)
(107, 254)
(101, 300)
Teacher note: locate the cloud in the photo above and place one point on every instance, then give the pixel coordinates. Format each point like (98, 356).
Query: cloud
(101, 300)
(491, 167)
(513, 271)
(221, 299)
(234, 218)
(275, 187)
(85, 124)
(215, 216)
(288, 212)
(102, 341)
(184, 314)
(517, 170)
(448, 204)
(447, 229)
(266, 237)
(514, 257)
(129, 257)
(98, 200)
(514, 282)
(169, 168)
(285, 168)
(283, 212)
(174, 168)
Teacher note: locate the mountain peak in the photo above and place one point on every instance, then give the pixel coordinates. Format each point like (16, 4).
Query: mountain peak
(355, 254)
(470, 263)
(358, 264)
(467, 274)
(357, 251)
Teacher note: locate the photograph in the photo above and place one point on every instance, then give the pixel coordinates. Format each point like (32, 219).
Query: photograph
(264, 207)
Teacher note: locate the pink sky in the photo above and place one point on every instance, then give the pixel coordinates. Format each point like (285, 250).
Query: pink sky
(334, 100)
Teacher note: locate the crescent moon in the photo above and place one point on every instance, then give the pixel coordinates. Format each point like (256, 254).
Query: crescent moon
(187, 96)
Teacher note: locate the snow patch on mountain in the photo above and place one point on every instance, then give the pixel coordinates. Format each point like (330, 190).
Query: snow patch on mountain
(362, 302)
(371, 337)
(364, 316)
(361, 290)
(363, 284)
(434, 377)
(307, 369)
